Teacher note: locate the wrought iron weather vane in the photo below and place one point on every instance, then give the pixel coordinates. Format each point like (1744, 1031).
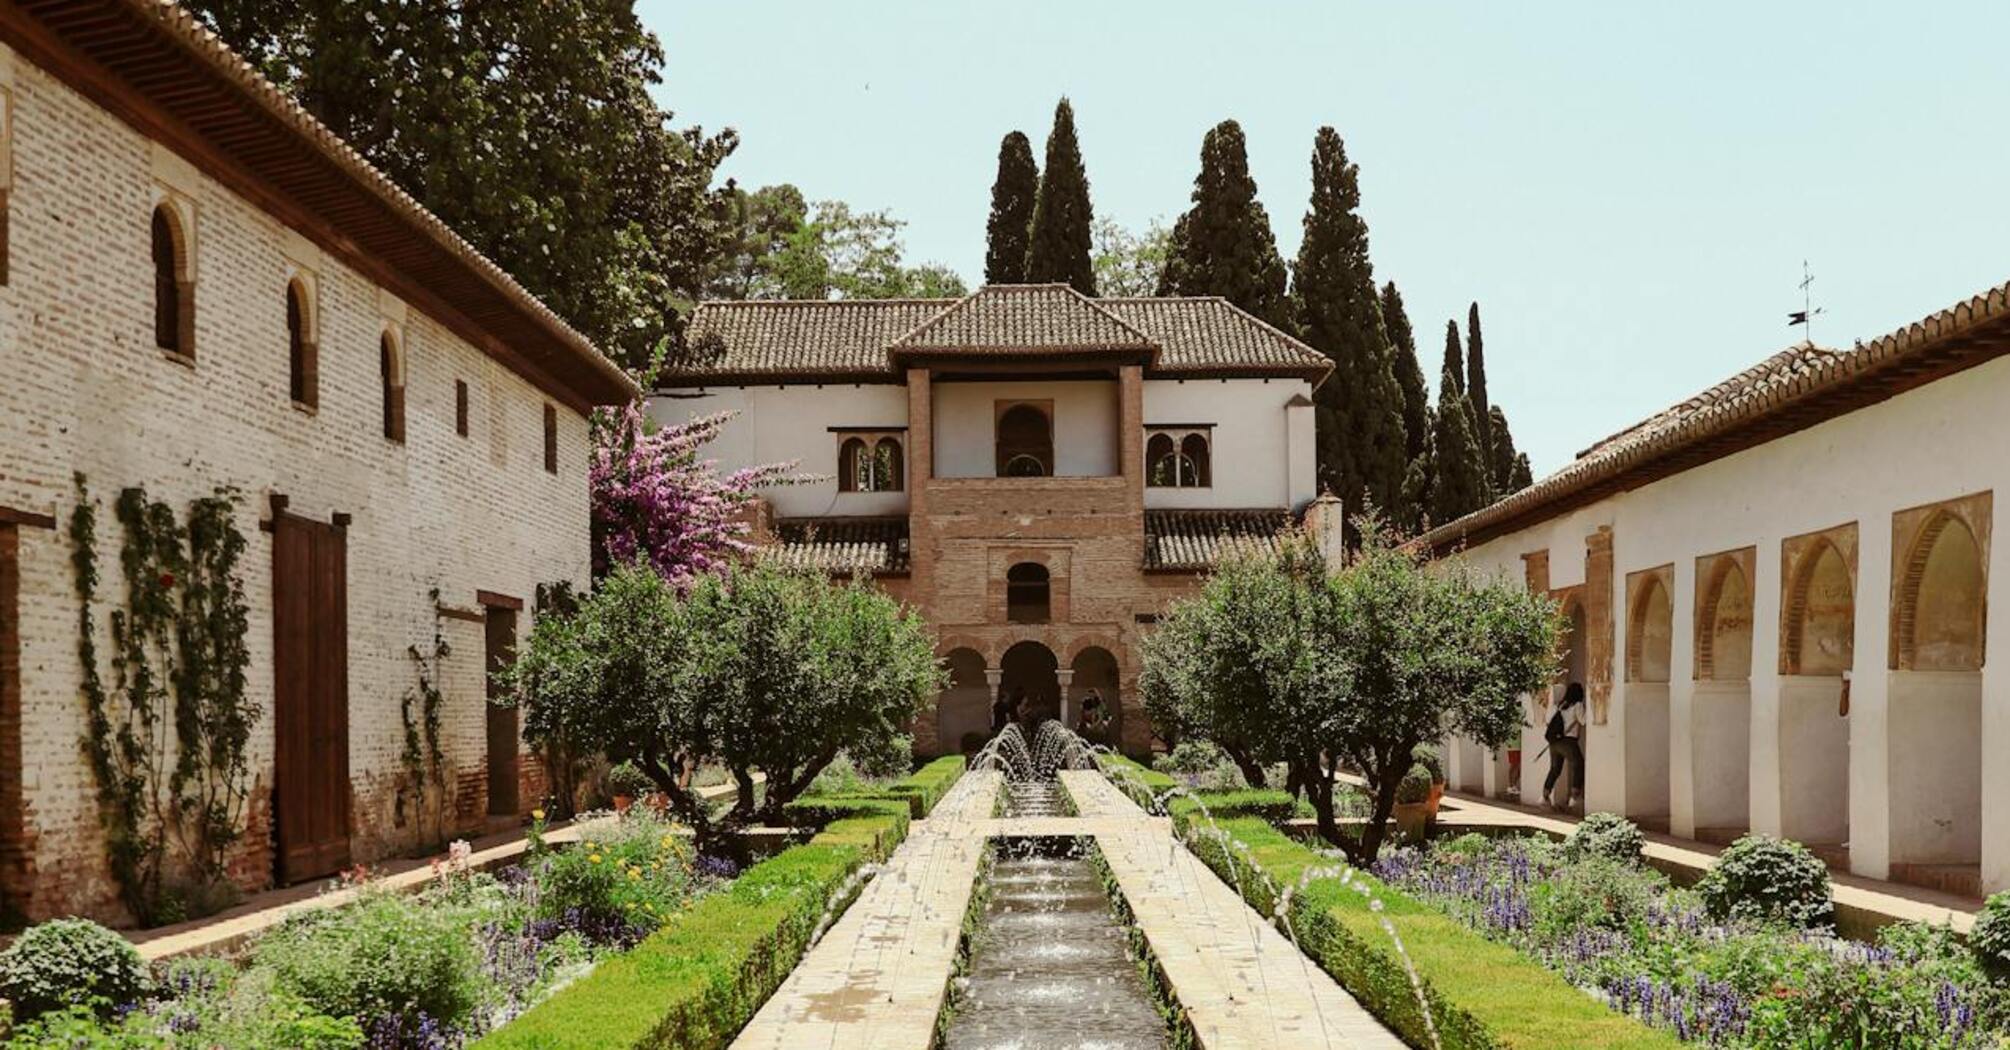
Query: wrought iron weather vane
(1805, 316)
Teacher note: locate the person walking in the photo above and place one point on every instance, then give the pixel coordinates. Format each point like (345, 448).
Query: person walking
(1090, 722)
(1565, 734)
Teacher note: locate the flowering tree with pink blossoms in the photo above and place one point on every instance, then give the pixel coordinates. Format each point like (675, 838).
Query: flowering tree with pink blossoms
(654, 498)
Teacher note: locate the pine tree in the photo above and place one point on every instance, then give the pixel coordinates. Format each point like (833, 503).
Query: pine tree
(1452, 373)
(1476, 382)
(1223, 244)
(1057, 248)
(1409, 374)
(1012, 196)
(1501, 456)
(1340, 315)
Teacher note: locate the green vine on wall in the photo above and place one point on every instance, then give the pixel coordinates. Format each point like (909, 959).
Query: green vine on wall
(166, 740)
(424, 761)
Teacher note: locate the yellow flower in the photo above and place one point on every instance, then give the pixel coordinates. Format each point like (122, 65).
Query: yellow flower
(593, 858)
(537, 814)
(634, 874)
(668, 840)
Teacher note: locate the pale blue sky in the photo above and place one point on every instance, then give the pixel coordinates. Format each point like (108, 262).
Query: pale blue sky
(1628, 190)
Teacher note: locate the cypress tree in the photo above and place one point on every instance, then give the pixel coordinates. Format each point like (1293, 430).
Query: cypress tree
(1223, 245)
(1057, 247)
(1409, 374)
(1412, 511)
(1012, 195)
(1458, 475)
(1522, 477)
(1476, 381)
(1452, 373)
(1501, 456)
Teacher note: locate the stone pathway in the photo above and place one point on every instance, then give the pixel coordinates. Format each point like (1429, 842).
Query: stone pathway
(877, 979)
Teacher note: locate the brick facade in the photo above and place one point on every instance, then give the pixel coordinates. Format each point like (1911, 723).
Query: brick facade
(87, 392)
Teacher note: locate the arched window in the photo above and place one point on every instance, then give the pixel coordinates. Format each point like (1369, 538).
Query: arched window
(1025, 442)
(1026, 593)
(1724, 632)
(301, 379)
(886, 467)
(1175, 459)
(391, 372)
(1650, 632)
(854, 467)
(174, 293)
(1940, 600)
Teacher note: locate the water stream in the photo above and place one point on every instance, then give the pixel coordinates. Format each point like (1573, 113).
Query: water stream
(1048, 968)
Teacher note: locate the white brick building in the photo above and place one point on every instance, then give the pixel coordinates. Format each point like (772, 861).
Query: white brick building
(327, 348)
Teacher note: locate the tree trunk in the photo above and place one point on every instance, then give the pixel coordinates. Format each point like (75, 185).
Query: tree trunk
(1319, 790)
(1385, 779)
(1251, 770)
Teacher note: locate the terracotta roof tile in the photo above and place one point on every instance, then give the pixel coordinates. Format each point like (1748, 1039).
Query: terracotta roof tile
(1198, 539)
(769, 340)
(844, 545)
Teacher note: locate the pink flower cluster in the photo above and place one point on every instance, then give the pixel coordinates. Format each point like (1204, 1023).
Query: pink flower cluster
(654, 498)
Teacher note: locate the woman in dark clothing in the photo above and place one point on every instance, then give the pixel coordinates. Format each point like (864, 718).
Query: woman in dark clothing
(1565, 734)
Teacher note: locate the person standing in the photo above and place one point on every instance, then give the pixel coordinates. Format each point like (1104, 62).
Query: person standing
(1565, 734)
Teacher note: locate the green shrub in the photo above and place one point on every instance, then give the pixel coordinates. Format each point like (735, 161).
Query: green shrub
(1415, 786)
(1428, 756)
(1764, 879)
(1470, 844)
(627, 779)
(1596, 891)
(385, 954)
(1990, 939)
(637, 871)
(1273, 806)
(818, 811)
(70, 962)
(1606, 835)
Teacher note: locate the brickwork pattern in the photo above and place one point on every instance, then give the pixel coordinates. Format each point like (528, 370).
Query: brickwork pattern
(87, 392)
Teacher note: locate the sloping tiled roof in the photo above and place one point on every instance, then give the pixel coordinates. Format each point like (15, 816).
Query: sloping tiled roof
(1194, 540)
(796, 337)
(844, 545)
(858, 340)
(1794, 389)
(1009, 318)
(1206, 334)
(153, 64)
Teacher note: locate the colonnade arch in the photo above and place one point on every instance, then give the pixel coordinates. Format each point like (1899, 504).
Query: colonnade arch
(1817, 656)
(1650, 647)
(1720, 699)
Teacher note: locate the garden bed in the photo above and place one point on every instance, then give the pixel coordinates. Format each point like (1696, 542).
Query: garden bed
(1481, 993)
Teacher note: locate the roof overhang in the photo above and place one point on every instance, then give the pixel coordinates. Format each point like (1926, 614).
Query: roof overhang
(153, 66)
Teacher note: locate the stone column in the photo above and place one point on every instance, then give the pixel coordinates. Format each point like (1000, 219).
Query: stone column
(1065, 677)
(993, 678)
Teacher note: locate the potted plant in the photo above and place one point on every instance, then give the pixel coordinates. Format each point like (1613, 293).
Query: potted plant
(1427, 755)
(626, 783)
(1413, 797)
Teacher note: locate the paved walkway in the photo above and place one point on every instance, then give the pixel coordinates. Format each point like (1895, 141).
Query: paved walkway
(877, 980)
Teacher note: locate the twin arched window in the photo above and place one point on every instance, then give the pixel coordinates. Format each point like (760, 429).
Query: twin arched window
(866, 464)
(1176, 460)
(1025, 441)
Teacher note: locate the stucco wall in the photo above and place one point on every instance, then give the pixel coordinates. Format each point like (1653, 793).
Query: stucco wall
(86, 390)
(1253, 441)
(1928, 445)
(1084, 420)
(791, 424)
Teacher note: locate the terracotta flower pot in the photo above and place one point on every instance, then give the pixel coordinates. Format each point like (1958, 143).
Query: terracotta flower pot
(1411, 820)
(1437, 792)
(622, 802)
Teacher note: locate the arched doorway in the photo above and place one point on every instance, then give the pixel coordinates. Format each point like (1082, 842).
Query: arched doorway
(1570, 668)
(1939, 581)
(1650, 647)
(963, 710)
(1030, 666)
(1720, 703)
(1819, 649)
(1095, 669)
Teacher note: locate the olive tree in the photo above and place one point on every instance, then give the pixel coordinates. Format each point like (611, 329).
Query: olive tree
(762, 668)
(1434, 649)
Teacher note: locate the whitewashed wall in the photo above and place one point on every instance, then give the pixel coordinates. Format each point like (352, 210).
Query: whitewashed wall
(791, 424)
(1085, 426)
(1263, 450)
(1932, 444)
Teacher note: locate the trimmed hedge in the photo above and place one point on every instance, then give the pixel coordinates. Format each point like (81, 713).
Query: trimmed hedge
(1482, 995)
(694, 983)
(917, 793)
(1273, 806)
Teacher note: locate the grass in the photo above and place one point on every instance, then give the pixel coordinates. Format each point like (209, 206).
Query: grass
(1482, 995)
(694, 983)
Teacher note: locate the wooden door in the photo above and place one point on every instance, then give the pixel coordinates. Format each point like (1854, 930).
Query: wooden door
(502, 721)
(310, 710)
